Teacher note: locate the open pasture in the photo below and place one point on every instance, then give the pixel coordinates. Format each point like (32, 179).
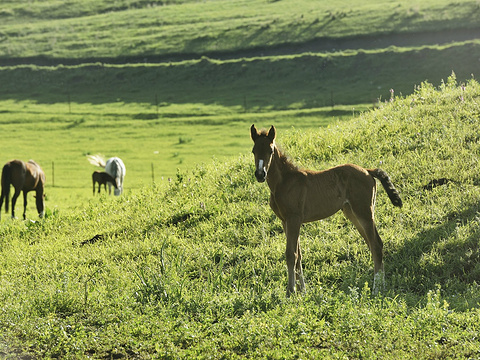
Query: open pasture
(60, 136)
(249, 55)
(195, 268)
(137, 29)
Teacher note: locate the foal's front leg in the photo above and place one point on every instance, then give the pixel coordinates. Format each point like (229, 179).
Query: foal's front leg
(294, 256)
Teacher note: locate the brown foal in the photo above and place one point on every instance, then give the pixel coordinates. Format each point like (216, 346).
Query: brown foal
(299, 196)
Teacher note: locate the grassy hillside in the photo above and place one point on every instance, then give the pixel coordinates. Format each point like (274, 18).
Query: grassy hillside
(246, 85)
(251, 55)
(195, 268)
(125, 29)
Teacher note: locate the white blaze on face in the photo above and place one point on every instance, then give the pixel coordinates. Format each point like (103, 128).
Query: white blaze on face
(260, 164)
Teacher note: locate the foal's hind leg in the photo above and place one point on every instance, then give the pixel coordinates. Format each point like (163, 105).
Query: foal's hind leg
(365, 225)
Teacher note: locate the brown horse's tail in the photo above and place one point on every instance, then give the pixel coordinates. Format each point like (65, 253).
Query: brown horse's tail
(6, 181)
(388, 185)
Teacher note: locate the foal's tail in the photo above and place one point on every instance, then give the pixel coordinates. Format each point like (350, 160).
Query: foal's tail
(6, 181)
(388, 185)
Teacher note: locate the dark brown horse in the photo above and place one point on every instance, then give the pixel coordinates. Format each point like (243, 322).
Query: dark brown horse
(298, 196)
(102, 178)
(24, 177)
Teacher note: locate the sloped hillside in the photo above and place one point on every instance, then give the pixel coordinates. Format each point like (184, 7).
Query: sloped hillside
(138, 29)
(345, 53)
(196, 268)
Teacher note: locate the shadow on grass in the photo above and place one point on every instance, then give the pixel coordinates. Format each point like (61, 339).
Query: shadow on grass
(308, 80)
(439, 256)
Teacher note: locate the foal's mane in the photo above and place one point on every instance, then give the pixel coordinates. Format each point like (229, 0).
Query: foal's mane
(285, 161)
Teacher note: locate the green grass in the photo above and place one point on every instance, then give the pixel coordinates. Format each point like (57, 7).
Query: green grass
(305, 55)
(154, 146)
(195, 268)
(105, 29)
(245, 85)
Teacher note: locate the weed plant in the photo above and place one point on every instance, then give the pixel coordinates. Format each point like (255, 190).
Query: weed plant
(194, 268)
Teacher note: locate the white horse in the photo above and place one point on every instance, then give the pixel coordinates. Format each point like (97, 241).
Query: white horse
(116, 169)
(113, 167)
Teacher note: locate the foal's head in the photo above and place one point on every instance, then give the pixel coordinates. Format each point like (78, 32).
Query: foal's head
(263, 148)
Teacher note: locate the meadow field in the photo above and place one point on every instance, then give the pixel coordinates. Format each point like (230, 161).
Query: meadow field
(137, 29)
(194, 268)
(189, 262)
(154, 150)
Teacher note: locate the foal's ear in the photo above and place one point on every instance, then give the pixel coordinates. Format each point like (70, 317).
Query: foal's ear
(253, 132)
(271, 133)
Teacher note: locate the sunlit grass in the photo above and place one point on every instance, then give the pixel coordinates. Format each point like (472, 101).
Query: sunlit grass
(195, 267)
(153, 144)
(103, 29)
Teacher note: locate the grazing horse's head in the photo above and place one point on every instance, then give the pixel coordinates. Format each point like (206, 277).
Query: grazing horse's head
(263, 149)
